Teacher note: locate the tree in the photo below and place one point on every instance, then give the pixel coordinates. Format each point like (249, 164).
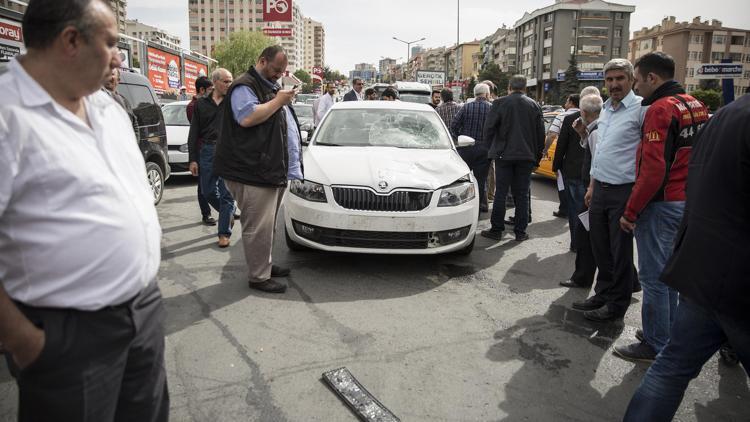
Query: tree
(570, 85)
(332, 75)
(709, 85)
(709, 97)
(470, 88)
(303, 76)
(136, 63)
(241, 50)
(493, 73)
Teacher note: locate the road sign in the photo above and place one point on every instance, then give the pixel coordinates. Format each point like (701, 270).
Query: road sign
(718, 71)
(277, 11)
(430, 77)
(596, 75)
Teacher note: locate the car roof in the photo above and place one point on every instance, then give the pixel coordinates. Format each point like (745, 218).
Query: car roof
(132, 78)
(381, 105)
(302, 104)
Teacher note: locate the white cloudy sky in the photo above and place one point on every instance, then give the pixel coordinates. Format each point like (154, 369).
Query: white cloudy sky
(361, 30)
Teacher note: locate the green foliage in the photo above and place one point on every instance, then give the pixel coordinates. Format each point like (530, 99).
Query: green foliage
(307, 88)
(493, 73)
(571, 84)
(136, 63)
(332, 75)
(711, 98)
(709, 85)
(303, 76)
(241, 50)
(470, 88)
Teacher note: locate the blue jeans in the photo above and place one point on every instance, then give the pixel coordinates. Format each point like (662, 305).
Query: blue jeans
(655, 232)
(697, 334)
(574, 191)
(202, 203)
(214, 190)
(516, 176)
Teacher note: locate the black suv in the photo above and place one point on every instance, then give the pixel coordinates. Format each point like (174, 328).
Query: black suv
(152, 134)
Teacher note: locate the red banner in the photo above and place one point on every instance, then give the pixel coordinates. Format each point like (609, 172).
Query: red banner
(278, 32)
(193, 70)
(163, 71)
(277, 10)
(11, 31)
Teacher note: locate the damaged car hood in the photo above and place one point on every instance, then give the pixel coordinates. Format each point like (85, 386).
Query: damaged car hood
(427, 169)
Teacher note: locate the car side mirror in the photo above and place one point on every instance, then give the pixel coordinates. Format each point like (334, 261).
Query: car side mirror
(466, 141)
(303, 137)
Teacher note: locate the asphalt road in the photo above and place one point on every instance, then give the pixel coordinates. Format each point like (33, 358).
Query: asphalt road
(486, 337)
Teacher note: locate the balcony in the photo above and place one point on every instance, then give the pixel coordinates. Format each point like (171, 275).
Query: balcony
(546, 59)
(548, 42)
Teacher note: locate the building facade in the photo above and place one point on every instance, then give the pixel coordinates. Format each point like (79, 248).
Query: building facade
(594, 31)
(314, 44)
(140, 30)
(118, 7)
(694, 43)
(212, 21)
(364, 71)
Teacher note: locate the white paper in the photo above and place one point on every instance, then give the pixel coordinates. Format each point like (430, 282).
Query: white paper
(584, 217)
(560, 182)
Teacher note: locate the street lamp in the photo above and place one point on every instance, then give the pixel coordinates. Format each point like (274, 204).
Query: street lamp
(408, 44)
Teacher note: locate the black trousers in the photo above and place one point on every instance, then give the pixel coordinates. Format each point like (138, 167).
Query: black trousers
(516, 176)
(612, 247)
(583, 275)
(476, 158)
(100, 366)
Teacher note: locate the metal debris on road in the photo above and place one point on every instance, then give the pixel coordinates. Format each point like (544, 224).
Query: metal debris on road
(362, 403)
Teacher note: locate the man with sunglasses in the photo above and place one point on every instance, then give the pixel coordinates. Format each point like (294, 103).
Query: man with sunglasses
(356, 93)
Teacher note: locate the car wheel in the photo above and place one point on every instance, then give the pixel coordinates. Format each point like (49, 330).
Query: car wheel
(156, 180)
(292, 245)
(467, 250)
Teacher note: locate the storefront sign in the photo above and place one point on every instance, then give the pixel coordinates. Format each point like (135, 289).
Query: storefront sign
(11, 39)
(278, 32)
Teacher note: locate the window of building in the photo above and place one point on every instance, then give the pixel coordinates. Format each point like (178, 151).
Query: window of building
(690, 88)
(548, 17)
(719, 39)
(618, 15)
(618, 32)
(573, 33)
(593, 31)
(615, 51)
(546, 67)
(696, 39)
(547, 51)
(746, 75)
(548, 33)
(690, 72)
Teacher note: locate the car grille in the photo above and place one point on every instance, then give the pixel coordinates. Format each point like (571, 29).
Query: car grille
(367, 200)
(363, 239)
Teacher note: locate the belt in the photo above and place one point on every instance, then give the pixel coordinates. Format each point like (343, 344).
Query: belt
(612, 185)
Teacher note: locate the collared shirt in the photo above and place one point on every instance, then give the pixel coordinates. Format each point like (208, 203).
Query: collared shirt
(556, 124)
(619, 136)
(78, 227)
(326, 102)
(204, 125)
(469, 120)
(447, 111)
(244, 102)
(592, 137)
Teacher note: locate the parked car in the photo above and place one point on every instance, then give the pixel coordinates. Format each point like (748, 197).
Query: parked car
(304, 114)
(178, 127)
(383, 177)
(306, 98)
(545, 166)
(152, 133)
(414, 92)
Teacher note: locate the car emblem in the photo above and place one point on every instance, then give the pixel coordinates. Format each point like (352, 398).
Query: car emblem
(383, 185)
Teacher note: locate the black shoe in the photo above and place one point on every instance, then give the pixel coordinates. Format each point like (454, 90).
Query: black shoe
(603, 314)
(639, 352)
(560, 214)
(268, 286)
(520, 237)
(588, 305)
(277, 271)
(208, 220)
(483, 208)
(639, 335)
(492, 234)
(573, 284)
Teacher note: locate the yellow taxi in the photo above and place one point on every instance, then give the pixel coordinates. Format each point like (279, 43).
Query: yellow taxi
(545, 166)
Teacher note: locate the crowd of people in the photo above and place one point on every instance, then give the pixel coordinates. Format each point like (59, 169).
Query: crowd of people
(81, 317)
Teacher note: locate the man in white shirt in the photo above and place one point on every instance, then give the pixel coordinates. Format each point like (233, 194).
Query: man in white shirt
(325, 102)
(80, 311)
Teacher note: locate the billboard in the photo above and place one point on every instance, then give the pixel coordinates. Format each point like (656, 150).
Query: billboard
(718, 71)
(277, 10)
(193, 70)
(11, 39)
(431, 78)
(595, 75)
(278, 32)
(163, 71)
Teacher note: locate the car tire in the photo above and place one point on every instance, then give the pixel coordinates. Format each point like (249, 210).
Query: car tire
(292, 245)
(155, 177)
(467, 250)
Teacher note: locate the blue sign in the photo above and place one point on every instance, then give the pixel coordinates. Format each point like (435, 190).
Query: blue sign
(596, 75)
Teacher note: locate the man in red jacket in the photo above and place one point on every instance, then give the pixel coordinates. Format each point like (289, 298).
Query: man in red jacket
(657, 201)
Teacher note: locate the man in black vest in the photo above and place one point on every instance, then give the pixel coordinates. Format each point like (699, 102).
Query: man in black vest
(257, 152)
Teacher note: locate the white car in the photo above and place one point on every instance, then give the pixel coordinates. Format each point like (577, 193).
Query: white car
(178, 127)
(383, 177)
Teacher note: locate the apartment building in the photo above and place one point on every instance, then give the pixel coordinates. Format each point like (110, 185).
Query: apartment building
(211, 21)
(458, 60)
(364, 71)
(140, 30)
(694, 43)
(314, 44)
(434, 59)
(500, 48)
(595, 31)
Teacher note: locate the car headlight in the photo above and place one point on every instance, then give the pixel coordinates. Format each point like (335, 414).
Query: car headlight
(184, 148)
(308, 190)
(457, 193)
